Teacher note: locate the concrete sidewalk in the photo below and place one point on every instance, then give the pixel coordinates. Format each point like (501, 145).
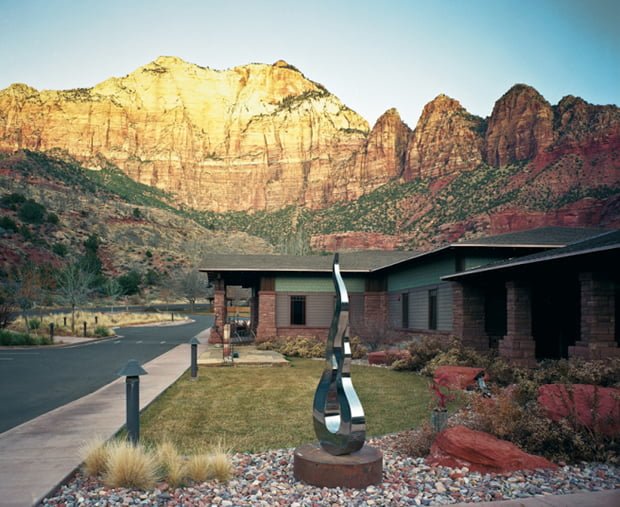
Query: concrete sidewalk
(40, 454)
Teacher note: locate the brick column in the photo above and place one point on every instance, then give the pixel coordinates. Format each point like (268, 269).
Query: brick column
(518, 345)
(219, 308)
(598, 324)
(468, 316)
(375, 310)
(254, 310)
(266, 315)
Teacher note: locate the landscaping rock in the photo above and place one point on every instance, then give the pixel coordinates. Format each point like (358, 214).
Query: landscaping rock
(387, 357)
(459, 446)
(457, 377)
(597, 408)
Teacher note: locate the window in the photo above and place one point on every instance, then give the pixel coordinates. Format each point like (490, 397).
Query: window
(404, 299)
(432, 309)
(298, 310)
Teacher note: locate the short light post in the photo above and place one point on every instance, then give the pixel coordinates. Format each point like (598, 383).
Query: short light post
(52, 332)
(194, 342)
(132, 372)
(84, 328)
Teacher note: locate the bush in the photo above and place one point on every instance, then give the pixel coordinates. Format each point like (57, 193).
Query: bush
(60, 249)
(308, 347)
(12, 200)
(32, 212)
(102, 331)
(417, 443)
(8, 224)
(52, 218)
(130, 283)
(9, 338)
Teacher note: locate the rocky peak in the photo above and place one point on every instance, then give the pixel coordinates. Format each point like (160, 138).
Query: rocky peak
(520, 126)
(387, 146)
(577, 120)
(446, 139)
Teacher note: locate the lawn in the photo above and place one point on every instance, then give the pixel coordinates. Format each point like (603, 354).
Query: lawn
(254, 408)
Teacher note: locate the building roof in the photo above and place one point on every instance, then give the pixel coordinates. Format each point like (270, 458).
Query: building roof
(373, 260)
(608, 240)
(350, 262)
(541, 237)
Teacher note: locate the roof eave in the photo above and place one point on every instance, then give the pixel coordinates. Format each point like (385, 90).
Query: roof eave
(518, 263)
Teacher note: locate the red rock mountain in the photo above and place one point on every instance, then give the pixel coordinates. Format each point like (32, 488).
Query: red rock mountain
(262, 137)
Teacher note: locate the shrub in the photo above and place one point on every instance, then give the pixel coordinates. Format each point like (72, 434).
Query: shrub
(8, 224)
(308, 347)
(60, 249)
(10, 338)
(417, 443)
(12, 200)
(421, 352)
(102, 331)
(129, 466)
(32, 212)
(52, 218)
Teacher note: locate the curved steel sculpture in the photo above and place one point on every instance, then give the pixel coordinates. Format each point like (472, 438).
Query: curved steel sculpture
(339, 421)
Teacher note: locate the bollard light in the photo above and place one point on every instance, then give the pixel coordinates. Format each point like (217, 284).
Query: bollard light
(96, 319)
(194, 342)
(64, 320)
(132, 372)
(84, 328)
(52, 332)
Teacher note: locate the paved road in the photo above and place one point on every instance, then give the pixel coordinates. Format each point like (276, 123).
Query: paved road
(35, 381)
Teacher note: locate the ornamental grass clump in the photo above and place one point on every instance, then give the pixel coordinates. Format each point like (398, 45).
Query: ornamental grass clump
(220, 464)
(171, 465)
(129, 466)
(94, 453)
(198, 468)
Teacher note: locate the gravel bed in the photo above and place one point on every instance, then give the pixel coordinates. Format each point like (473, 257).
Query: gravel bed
(266, 479)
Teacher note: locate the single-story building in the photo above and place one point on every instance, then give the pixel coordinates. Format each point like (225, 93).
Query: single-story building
(450, 291)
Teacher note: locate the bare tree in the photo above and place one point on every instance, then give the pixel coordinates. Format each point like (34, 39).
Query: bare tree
(192, 284)
(8, 305)
(28, 291)
(73, 287)
(113, 290)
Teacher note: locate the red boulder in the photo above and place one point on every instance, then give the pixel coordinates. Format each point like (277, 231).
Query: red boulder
(457, 377)
(387, 357)
(596, 408)
(480, 452)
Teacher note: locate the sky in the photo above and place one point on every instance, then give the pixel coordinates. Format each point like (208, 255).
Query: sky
(373, 55)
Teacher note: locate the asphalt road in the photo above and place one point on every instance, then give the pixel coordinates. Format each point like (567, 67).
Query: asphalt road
(34, 381)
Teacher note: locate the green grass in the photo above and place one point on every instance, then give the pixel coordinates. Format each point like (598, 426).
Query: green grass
(254, 409)
(10, 338)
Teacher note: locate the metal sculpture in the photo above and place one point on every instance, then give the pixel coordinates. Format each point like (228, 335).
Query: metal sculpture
(339, 421)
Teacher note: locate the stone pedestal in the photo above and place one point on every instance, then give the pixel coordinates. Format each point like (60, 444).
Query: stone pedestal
(315, 466)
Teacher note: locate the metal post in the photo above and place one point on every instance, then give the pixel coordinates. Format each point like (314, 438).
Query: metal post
(64, 321)
(84, 328)
(96, 319)
(194, 364)
(132, 372)
(172, 317)
(52, 332)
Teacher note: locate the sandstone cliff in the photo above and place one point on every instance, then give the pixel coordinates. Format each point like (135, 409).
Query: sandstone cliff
(263, 137)
(520, 126)
(252, 137)
(447, 139)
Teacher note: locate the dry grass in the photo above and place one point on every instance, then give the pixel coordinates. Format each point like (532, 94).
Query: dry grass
(198, 467)
(220, 466)
(255, 409)
(94, 453)
(171, 464)
(129, 466)
(93, 320)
